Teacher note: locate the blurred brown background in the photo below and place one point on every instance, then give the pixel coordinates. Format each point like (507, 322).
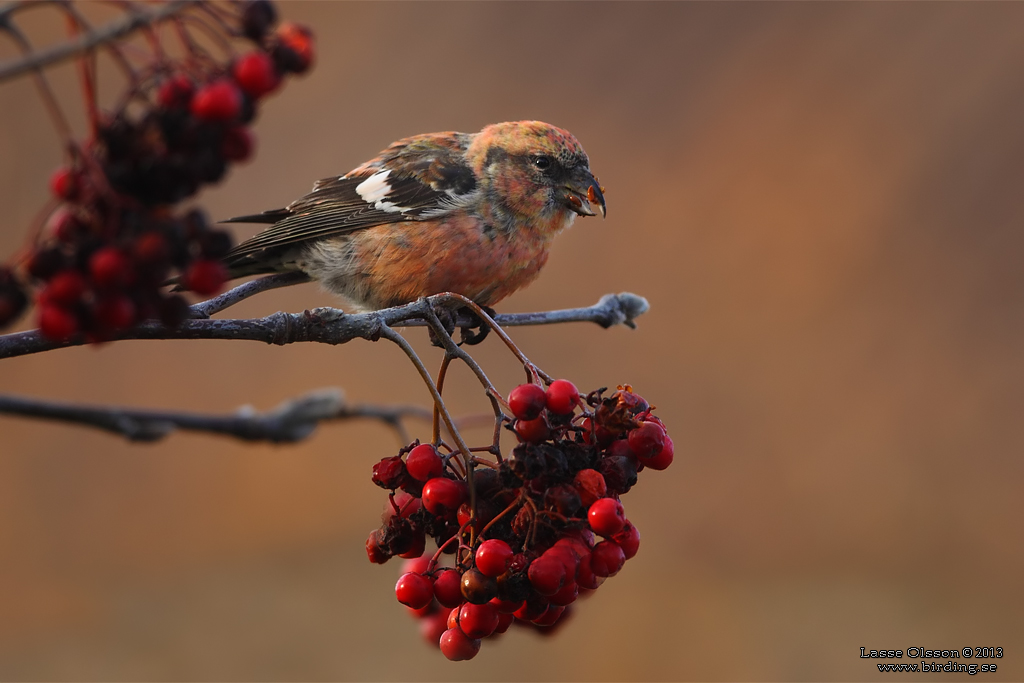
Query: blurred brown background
(822, 203)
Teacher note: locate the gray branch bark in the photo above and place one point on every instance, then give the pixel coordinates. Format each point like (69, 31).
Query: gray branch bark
(291, 421)
(333, 326)
(119, 28)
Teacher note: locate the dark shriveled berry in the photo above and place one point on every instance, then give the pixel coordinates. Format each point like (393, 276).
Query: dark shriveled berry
(257, 18)
(389, 472)
(13, 299)
(375, 549)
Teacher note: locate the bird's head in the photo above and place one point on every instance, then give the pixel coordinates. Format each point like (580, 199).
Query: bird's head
(536, 170)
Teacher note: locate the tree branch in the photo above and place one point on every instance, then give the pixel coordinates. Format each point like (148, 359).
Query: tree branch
(291, 421)
(113, 31)
(333, 326)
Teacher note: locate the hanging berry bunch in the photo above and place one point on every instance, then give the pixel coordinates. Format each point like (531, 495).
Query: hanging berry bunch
(541, 528)
(114, 237)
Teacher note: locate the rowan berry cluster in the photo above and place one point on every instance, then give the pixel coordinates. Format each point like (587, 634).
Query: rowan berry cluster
(113, 240)
(546, 525)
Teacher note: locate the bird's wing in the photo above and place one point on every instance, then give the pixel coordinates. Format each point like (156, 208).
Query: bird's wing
(414, 179)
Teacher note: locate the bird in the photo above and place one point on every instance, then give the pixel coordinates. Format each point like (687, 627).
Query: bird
(470, 213)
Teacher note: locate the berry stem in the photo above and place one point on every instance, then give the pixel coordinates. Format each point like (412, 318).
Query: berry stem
(390, 334)
(473, 306)
(435, 436)
(511, 506)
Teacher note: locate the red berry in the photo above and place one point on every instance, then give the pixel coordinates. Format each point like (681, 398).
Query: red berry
(151, 248)
(628, 539)
(65, 288)
(176, 92)
(416, 565)
(238, 143)
(115, 312)
(407, 505)
(569, 559)
(109, 267)
(532, 608)
(590, 485)
(547, 574)
(65, 184)
(424, 463)
(414, 590)
(430, 608)
(606, 516)
(443, 496)
(432, 626)
(478, 621)
(647, 440)
(448, 587)
(526, 401)
(205, 276)
(506, 606)
(607, 558)
(294, 50)
(57, 323)
(664, 457)
(577, 546)
(66, 226)
(217, 101)
(620, 447)
(493, 557)
(504, 621)
(465, 512)
(389, 473)
(604, 435)
(256, 74)
(562, 397)
(550, 616)
(419, 544)
(566, 595)
(585, 577)
(457, 646)
(533, 431)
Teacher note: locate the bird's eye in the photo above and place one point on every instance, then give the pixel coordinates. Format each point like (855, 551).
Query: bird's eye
(543, 163)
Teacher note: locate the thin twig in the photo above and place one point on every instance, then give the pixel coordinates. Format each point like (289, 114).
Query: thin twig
(291, 421)
(205, 309)
(87, 41)
(332, 326)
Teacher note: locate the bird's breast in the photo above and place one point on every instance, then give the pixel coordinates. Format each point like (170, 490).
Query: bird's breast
(395, 264)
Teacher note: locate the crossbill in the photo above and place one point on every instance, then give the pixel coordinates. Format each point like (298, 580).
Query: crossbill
(473, 214)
